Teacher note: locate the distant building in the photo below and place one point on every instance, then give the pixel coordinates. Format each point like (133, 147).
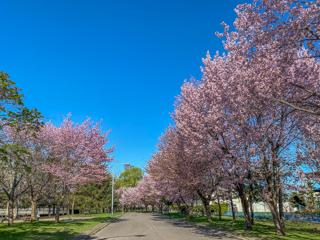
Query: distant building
(127, 166)
(316, 195)
(260, 207)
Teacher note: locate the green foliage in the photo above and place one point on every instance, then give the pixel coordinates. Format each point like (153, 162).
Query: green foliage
(10, 98)
(199, 210)
(174, 207)
(297, 200)
(94, 197)
(9, 92)
(26, 119)
(12, 158)
(12, 110)
(215, 208)
(310, 198)
(129, 177)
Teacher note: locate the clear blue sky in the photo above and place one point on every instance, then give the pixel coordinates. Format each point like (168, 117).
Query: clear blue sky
(119, 61)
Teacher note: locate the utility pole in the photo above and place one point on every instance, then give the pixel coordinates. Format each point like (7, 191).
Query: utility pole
(112, 195)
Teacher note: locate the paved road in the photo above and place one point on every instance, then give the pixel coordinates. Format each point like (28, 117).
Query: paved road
(142, 226)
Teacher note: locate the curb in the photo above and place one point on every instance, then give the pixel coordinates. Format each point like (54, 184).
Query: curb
(88, 234)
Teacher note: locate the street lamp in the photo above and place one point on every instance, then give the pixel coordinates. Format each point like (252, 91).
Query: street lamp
(112, 191)
(112, 194)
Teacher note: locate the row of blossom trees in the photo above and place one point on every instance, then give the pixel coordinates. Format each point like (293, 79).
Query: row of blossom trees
(144, 194)
(51, 162)
(250, 125)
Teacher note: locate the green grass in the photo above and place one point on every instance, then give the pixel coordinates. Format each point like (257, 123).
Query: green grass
(43, 230)
(261, 229)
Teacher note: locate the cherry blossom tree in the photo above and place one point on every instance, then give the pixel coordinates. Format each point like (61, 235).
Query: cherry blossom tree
(12, 174)
(309, 152)
(14, 156)
(165, 173)
(191, 161)
(202, 116)
(36, 180)
(147, 192)
(77, 156)
(129, 197)
(254, 134)
(277, 43)
(285, 30)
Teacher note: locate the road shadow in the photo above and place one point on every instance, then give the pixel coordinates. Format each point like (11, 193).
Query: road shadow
(196, 228)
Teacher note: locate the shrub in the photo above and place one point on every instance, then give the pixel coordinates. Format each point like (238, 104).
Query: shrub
(215, 208)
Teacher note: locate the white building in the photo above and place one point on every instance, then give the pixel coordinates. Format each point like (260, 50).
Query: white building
(260, 206)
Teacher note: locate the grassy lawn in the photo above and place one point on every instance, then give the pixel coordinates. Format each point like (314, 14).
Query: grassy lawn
(43, 230)
(262, 229)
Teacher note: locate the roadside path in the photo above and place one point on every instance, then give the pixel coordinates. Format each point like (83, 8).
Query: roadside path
(144, 226)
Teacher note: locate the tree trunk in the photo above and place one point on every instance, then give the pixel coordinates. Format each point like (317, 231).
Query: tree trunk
(207, 210)
(275, 190)
(278, 222)
(7, 209)
(219, 209)
(280, 204)
(57, 214)
(232, 209)
(33, 210)
(49, 210)
(251, 210)
(185, 210)
(16, 210)
(251, 189)
(10, 211)
(72, 205)
(206, 206)
(245, 207)
(68, 208)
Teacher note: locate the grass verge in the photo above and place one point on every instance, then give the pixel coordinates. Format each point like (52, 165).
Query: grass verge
(263, 229)
(65, 230)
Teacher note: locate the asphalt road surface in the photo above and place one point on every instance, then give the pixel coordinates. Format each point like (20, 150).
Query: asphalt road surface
(143, 226)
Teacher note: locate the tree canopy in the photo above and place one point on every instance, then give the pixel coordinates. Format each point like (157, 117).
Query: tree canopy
(129, 177)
